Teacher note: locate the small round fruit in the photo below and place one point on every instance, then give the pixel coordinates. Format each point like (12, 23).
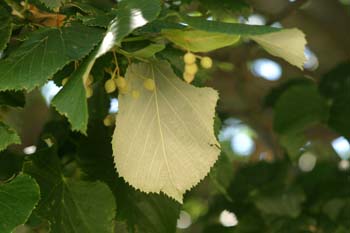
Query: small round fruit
(109, 120)
(120, 82)
(149, 84)
(189, 58)
(110, 86)
(188, 77)
(89, 92)
(191, 69)
(206, 62)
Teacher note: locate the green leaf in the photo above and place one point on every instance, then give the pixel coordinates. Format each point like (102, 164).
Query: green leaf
(70, 205)
(10, 164)
(133, 14)
(283, 203)
(149, 212)
(148, 51)
(293, 142)
(150, 147)
(175, 58)
(5, 28)
(12, 98)
(71, 100)
(274, 94)
(336, 82)
(94, 155)
(158, 25)
(298, 107)
(52, 3)
(340, 114)
(17, 200)
(333, 207)
(100, 20)
(99, 105)
(221, 175)
(302, 224)
(130, 15)
(7, 136)
(335, 85)
(199, 41)
(225, 8)
(44, 53)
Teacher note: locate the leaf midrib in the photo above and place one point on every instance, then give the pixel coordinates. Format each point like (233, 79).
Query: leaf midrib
(161, 132)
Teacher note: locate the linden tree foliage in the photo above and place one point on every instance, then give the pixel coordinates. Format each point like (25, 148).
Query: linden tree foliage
(129, 137)
(157, 133)
(18, 198)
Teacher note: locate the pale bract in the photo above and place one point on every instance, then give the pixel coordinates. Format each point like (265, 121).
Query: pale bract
(200, 41)
(288, 44)
(164, 140)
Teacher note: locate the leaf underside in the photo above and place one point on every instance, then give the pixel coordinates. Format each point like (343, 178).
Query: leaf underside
(164, 140)
(288, 44)
(199, 41)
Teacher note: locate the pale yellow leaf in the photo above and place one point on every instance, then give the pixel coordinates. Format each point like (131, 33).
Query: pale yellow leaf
(288, 44)
(164, 140)
(199, 41)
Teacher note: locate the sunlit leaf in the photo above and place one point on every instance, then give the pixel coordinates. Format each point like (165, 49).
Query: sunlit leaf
(164, 131)
(288, 44)
(199, 41)
(17, 200)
